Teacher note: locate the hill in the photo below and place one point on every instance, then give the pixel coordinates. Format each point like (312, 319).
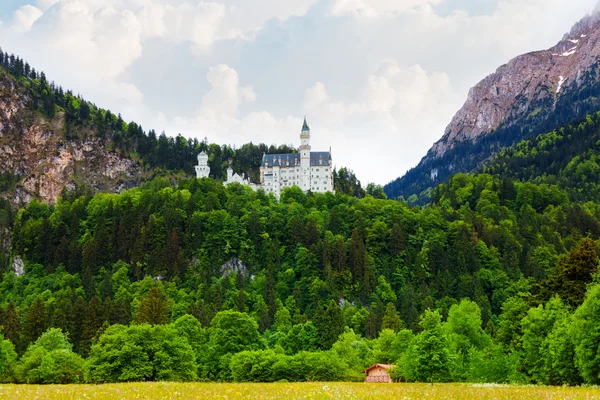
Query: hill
(51, 139)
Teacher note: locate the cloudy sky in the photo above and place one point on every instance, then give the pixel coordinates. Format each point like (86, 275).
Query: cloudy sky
(379, 80)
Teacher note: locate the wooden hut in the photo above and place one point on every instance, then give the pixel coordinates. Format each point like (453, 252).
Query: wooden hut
(379, 373)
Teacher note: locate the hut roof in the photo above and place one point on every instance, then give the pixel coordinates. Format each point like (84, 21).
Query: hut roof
(385, 366)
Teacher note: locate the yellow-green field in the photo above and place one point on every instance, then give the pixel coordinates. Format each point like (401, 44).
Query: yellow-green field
(292, 391)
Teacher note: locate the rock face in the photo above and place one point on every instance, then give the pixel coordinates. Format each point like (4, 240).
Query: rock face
(18, 266)
(36, 150)
(528, 84)
(531, 94)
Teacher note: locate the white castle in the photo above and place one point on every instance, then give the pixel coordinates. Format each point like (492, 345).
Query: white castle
(310, 171)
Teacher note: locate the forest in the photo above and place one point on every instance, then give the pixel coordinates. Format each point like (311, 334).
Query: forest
(205, 282)
(495, 280)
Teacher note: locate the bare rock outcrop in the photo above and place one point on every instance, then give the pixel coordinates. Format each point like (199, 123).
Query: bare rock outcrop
(35, 149)
(527, 86)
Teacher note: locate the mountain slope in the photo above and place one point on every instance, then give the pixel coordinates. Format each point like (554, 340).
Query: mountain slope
(531, 94)
(33, 147)
(568, 157)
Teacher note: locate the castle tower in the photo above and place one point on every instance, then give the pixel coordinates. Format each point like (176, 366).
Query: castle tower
(202, 169)
(305, 157)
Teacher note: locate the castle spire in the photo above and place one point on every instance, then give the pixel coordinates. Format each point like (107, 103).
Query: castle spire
(305, 127)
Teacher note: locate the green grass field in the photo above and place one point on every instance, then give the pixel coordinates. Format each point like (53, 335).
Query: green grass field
(292, 391)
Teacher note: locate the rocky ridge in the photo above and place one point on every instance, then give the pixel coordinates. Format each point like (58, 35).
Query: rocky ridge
(528, 84)
(35, 149)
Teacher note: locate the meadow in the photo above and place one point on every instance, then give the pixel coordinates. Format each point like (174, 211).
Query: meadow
(294, 391)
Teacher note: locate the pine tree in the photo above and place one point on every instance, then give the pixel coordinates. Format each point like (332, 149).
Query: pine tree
(62, 313)
(79, 313)
(329, 322)
(391, 319)
(93, 320)
(271, 259)
(570, 278)
(36, 321)
(120, 312)
(371, 329)
(11, 324)
(154, 309)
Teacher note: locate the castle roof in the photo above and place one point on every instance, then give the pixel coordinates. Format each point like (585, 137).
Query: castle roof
(319, 157)
(305, 127)
(293, 159)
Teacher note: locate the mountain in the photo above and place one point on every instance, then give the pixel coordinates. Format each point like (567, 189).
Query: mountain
(531, 94)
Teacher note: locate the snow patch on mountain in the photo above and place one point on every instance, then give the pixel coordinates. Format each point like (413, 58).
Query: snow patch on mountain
(561, 81)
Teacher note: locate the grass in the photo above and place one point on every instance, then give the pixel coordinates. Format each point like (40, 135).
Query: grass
(293, 391)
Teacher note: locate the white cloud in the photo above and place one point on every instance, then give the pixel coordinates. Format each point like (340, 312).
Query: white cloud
(377, 8)
(225, 96)
(45, 4)
(24, 17)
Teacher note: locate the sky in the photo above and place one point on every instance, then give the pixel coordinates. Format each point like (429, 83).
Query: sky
(378, 80)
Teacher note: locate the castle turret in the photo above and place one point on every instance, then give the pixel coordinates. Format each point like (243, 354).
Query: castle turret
(305, 157)
(202, 169)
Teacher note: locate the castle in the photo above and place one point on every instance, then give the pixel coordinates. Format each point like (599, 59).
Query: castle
(310, 171)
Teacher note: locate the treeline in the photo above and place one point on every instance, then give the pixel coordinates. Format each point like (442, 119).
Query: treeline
(552, 344)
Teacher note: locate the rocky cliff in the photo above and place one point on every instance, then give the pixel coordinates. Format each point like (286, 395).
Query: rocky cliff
(529, 95)
(531, 83)
(34, 148)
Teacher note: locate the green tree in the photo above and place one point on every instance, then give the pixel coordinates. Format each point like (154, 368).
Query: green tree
(376, 191)
(464, 332)
(50, 360)
(329, 322)
(428, 358)
(586, 336)
(11, 326)
(561, 358)
(190, 328)
(302, 337)
(537, 326)
(61, 367)
(510, 330)
(391, 319)
(36, 320)
(492, 365)
(283, 319)
(230, 332)
(570, 278)
(353, 350)
(255, 366)
(8, 358)
(141, 353)
(154, 309)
